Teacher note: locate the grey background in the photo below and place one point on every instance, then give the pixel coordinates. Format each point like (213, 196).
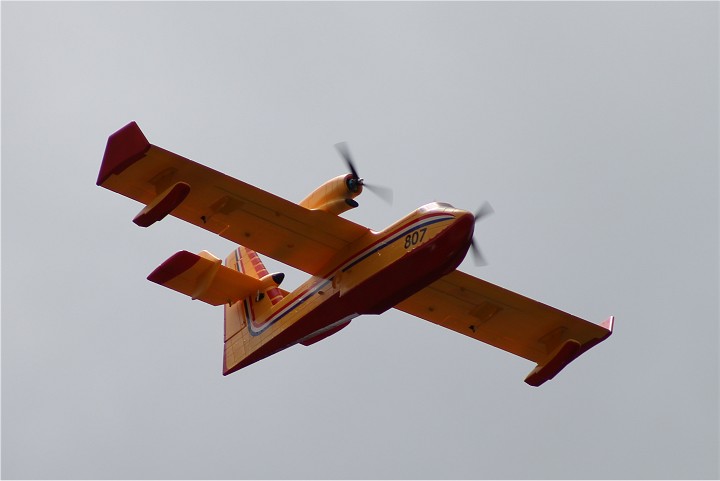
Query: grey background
(592, 128)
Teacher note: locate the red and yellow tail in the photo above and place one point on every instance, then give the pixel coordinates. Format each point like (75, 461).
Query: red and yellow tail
(247, 318)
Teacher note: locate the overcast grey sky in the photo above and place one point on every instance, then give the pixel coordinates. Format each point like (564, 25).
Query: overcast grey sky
(592, 128)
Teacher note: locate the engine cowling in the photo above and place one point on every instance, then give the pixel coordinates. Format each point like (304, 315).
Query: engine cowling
(336, 195)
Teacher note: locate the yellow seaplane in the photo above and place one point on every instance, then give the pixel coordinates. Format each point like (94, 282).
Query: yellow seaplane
(410, 265)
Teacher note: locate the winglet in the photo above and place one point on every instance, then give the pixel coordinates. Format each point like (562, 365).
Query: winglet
(564, 355)
(124, 148)
(608, 323)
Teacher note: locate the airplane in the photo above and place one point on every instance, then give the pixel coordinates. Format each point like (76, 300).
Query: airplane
(410, 266)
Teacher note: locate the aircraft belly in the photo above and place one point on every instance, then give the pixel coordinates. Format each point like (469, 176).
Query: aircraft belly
(317, 323)
(413, 271)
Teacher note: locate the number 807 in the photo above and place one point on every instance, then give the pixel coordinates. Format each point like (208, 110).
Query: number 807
(415, 238)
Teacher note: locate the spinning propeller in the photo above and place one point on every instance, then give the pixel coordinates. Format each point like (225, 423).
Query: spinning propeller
(355, 182)
(484, 211)
(386, 194)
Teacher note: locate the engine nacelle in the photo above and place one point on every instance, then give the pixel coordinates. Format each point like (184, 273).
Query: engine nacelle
(334, 196)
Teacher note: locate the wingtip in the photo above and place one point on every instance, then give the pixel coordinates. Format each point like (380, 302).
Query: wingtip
(124, 147)
(173, 267)
(564, 355)
(608, 323)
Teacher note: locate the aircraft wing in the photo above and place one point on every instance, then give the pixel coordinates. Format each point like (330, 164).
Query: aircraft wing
(507, 320)
(170, 184)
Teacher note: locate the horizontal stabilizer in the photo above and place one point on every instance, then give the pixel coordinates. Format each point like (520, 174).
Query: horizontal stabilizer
(204, 277)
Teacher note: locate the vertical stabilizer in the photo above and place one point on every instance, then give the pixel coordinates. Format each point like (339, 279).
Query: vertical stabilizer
(245, 318)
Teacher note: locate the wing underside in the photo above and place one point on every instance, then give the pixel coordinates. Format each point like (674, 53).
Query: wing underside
(168, 183)
(507, 320)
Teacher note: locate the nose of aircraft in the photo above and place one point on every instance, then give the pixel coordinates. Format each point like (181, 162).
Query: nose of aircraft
(459, 235)
(461, 232)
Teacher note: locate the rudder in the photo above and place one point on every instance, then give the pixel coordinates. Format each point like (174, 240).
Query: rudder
(244, 319)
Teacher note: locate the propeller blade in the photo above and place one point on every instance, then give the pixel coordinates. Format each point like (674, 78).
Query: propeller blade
(342, 147)
(478, 257)
(485, 210)
(385, 193)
